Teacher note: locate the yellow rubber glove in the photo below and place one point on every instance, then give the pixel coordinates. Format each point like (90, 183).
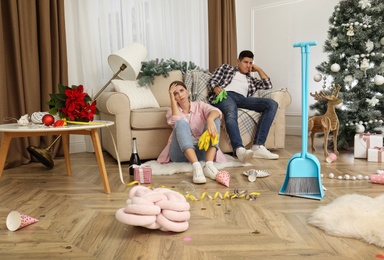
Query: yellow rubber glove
(205, 139)
(202, 140)
(215, 140)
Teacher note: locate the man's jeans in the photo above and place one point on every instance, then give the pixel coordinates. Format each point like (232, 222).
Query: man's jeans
(182, 140)
(266, 106)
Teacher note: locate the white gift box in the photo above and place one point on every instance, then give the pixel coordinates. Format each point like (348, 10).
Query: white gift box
(365, 141)
(376, 154)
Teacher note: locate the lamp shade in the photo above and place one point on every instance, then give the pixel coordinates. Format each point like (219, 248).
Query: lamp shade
(131, 56)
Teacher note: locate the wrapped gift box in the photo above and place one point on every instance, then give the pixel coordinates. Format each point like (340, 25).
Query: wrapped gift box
(377, 178)
(142, 173)
(376, 154)
(365, 141)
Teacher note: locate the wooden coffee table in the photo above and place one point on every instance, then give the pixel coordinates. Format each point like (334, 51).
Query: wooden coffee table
(14, 130)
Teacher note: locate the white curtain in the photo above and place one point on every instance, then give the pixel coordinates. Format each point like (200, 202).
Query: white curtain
(176, 29)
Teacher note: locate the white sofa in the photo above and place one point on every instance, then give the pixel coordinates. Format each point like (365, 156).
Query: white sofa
(151, 130)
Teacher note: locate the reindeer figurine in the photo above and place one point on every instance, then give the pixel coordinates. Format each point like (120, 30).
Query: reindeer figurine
(327, 122)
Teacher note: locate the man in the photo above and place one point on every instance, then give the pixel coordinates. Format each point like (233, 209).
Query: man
(240, 86)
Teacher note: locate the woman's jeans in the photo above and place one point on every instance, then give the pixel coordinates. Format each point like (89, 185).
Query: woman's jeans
(266, 106)
(182, 140)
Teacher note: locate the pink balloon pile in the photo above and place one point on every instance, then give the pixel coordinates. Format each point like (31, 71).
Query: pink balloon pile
(161, 208)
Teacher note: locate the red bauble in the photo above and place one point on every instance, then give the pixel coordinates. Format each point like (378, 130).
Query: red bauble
(48, 119)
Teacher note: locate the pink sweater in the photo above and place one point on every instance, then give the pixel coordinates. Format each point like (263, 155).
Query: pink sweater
(199, 112)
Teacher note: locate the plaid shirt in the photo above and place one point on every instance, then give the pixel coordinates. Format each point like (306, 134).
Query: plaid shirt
(223, 76)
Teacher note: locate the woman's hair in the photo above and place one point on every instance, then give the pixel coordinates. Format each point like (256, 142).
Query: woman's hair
(178, 82)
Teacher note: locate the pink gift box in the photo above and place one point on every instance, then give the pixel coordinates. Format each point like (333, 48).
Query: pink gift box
(365, 141)
(377, 178)
(376, 154)
(142, 173)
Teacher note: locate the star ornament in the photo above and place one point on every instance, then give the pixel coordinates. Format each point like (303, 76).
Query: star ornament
(373, 101)
(364, 4)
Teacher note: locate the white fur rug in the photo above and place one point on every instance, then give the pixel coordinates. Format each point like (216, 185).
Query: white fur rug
(171, 168)
(353, 215)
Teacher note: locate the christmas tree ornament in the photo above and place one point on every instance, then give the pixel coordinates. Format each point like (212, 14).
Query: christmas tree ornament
(382, 41)
(360, 129)
(364, 4)
(372, 101)
(334, 42)
(364, 65)
(335, 67)
(48, 119)
(369, 46)
(350, 32)
(317, 77)
(379, 80)
(348, 79)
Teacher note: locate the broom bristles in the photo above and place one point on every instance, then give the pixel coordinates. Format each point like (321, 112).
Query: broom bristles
(303, 185)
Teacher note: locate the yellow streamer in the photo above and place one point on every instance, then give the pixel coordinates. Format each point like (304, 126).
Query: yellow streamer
(83, 123)
(235, 195)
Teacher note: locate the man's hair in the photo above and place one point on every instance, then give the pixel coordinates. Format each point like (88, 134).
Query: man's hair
(245, 54)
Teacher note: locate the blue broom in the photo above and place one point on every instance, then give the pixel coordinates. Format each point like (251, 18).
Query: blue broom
(303, 177)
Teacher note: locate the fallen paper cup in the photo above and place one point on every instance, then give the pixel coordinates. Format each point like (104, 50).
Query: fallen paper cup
(16, 220)
(252, 175)
(331, 158)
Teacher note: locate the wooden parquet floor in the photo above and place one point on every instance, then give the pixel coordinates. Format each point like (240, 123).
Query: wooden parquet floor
(76, 218)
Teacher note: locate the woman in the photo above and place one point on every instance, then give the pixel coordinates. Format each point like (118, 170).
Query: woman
(189, 120)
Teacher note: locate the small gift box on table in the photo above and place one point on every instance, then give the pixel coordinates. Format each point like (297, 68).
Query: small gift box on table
(365, 141)
(142, 173)
(376, 154)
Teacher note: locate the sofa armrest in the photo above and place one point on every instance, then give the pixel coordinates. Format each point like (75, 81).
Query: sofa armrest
(115, 106)
(113, 103)
(281, 96)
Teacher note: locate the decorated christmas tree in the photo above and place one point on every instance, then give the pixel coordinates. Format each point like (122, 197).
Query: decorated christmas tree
(355, 47)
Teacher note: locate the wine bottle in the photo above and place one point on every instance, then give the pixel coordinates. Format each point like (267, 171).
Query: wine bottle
(135, 159)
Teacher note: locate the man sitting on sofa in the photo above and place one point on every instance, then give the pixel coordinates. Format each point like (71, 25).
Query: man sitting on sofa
(239, 87)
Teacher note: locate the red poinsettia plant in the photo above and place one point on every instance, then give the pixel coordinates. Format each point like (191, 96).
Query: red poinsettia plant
(73, 104)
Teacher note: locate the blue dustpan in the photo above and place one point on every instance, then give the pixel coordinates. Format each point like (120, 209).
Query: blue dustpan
(303, 177)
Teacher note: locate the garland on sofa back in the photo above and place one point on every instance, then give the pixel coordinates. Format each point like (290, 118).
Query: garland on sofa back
(151, 69)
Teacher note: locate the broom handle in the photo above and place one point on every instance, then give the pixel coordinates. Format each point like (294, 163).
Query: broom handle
(305, 50)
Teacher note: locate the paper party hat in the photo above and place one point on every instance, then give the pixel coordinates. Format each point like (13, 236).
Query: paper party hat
(16, 220)
(223, 177)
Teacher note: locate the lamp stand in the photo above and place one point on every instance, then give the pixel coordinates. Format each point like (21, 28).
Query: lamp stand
(122, 67)
(43, 155)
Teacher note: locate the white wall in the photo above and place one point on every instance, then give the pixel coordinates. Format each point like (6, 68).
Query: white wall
(270, 27)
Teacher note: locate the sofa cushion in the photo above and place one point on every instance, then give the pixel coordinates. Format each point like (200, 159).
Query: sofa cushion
(196, 82)
(160, 87)
(149, 118)
(139, 96)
